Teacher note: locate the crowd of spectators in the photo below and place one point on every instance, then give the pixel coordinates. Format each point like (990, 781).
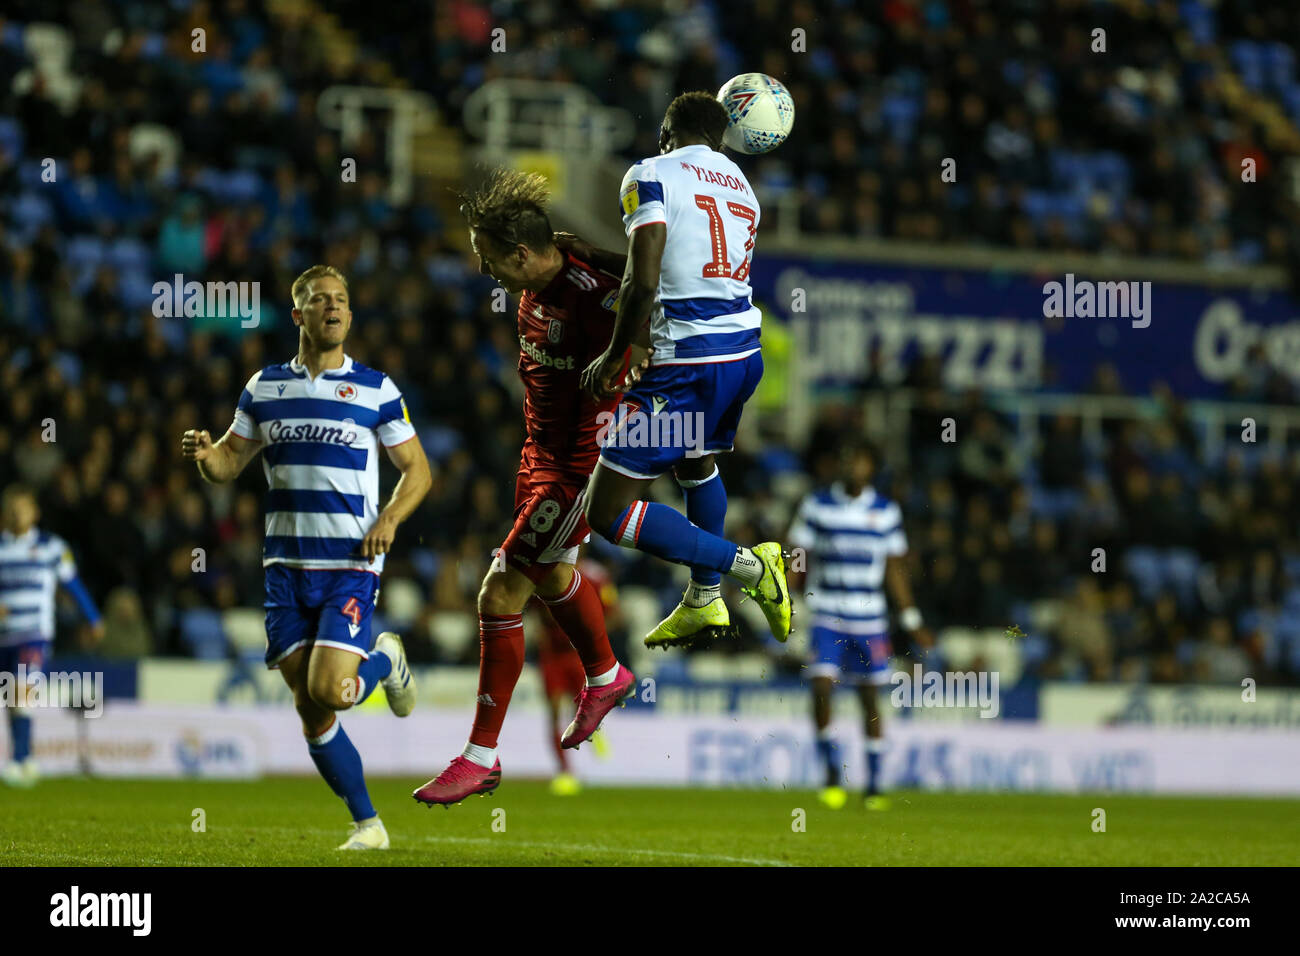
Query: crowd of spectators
(97, 390)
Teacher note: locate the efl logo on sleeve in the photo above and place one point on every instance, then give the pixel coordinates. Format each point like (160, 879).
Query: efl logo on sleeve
(631, 199)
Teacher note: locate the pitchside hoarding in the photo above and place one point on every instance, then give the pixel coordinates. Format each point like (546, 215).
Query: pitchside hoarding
(990, 326)
(133, 740)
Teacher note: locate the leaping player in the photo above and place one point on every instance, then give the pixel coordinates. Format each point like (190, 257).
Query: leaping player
(691, 218)
(320, 420)
(564, 320)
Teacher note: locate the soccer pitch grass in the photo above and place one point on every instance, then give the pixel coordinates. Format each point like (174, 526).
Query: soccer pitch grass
(287, 821)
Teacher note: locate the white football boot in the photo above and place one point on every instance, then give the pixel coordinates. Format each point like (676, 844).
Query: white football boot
(367, 835)
(399, 685)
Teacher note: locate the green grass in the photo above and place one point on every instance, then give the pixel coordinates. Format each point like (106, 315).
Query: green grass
(296, 821)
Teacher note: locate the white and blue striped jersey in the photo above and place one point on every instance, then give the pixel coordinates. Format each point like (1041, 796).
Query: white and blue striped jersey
(703, 313)
(320, 453)
(848, 540)
(32, 566)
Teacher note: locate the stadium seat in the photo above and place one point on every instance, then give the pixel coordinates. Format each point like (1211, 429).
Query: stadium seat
(1143, 565)
(402, 599)
(203, 634)
(246, 629)
(452, 633)
(1179, 569)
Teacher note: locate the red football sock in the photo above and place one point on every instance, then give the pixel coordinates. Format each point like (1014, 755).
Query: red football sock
(501, 661)
(581, 616)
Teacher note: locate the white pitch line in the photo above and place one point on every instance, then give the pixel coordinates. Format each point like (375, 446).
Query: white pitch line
(592, 848)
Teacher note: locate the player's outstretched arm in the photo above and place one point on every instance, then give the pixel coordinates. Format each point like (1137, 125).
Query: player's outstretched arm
(637, 296)
(220, 461)
(411, 488)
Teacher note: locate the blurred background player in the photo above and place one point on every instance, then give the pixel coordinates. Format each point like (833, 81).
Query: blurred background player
(325, 536)
(563, 676)
(564, 320)
(32, 564)
(691, 220)
(855, 549)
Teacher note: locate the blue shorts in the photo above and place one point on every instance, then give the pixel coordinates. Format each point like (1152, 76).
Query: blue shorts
(676, 412)
(325, 608)
(863, 658)
(35, 654)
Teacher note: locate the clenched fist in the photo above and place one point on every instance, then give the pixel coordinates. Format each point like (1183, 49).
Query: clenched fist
(196, 445)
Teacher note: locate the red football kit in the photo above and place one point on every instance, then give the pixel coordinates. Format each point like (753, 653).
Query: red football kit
(562, 329)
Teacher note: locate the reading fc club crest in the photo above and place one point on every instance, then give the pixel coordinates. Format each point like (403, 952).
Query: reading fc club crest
(555, 331)
(345, 391)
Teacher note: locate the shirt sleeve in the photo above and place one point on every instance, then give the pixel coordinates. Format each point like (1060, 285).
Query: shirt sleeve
(394, 420)
(245, 423)
(641, 197)
(67, 569)
(802, 534)
(895, 537)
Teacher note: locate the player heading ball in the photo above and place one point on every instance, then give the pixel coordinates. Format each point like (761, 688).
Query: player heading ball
(691, 218)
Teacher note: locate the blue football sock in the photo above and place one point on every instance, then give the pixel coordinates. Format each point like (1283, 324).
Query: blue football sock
(340, 764)
(666, 533)
(20, 732)
(829, 752)
(873, 769)
(372, 672)
(706, 508)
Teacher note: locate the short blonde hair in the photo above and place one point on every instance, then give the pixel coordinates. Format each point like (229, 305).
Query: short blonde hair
(315, 272)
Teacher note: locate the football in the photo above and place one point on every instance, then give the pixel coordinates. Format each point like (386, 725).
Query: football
(761, 111)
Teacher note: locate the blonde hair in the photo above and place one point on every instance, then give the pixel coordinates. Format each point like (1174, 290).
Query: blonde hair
(510, 207)
(315, 272)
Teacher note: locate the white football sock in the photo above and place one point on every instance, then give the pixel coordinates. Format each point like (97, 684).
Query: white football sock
(600, 680)
(483, 756)
(701, 595)
(746, 567)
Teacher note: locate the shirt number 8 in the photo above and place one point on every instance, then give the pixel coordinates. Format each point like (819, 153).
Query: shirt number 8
(544, 517)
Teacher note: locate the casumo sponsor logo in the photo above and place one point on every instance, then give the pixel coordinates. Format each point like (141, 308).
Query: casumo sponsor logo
(541, 358)
(278, 431)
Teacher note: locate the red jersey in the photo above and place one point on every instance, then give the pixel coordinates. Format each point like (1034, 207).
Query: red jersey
(563, 329)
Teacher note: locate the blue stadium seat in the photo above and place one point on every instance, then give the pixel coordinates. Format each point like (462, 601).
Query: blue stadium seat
(123, 254)
(1180, 568)
(1143, 565)
(11, 137)
(203, 634)
(1291, 98)
(1199, 21)
(900, 112)
(31, 211)
(1279, 65)
(1248, 60)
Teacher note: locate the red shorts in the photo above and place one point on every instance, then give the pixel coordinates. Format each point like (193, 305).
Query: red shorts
(549, 524)
(562, 671)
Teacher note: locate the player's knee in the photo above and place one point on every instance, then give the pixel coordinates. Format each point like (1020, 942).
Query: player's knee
(333, 692)
(495, 598)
